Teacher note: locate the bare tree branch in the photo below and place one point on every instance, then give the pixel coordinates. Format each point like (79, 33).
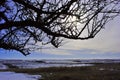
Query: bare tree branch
(26, 22)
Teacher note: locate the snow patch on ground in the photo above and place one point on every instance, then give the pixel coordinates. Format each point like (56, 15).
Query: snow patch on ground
(2, 66)
(18, 76)
(44, 65)
(52, 63)
(23, 64)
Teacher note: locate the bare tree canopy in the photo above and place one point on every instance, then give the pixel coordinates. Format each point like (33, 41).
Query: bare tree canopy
(24, 23)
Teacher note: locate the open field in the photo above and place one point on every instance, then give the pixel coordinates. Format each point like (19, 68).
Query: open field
(99, 71)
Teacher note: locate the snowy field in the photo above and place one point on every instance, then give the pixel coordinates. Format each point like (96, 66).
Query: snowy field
(28, 64)
(7, 64)
(40, 64)
(4, 64)
(17, 76)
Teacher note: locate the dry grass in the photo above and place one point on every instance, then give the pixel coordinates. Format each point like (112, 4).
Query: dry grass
(96, 72)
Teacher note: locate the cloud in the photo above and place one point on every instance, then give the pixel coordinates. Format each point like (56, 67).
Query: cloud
(107, 41)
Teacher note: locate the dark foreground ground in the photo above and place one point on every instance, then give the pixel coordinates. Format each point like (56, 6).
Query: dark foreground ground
(100, 71)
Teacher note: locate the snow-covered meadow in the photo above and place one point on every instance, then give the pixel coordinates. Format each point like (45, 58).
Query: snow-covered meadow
(40, 63)
(17, 76)
(4, 64)
(32, 64)
(28, 64)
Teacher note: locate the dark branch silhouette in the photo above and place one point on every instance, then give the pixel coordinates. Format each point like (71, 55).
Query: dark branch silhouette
(24, 23)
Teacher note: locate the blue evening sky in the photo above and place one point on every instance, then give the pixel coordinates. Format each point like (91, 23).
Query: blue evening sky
(105, 45)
